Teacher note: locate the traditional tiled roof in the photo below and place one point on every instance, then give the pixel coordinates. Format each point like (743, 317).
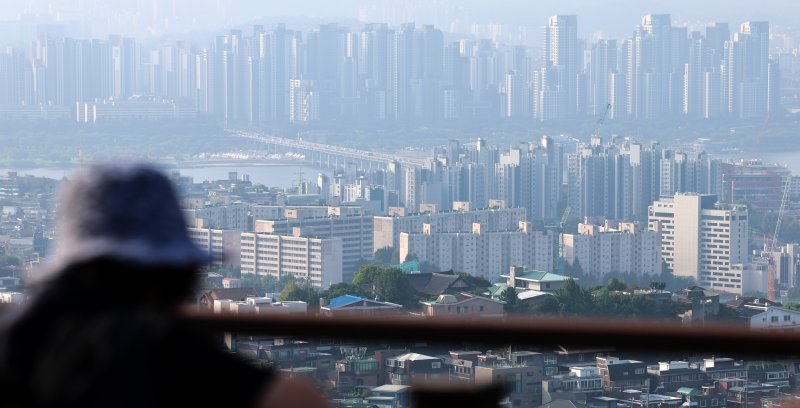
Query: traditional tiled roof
(435, 284)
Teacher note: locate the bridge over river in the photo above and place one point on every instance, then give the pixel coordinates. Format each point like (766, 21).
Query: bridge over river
(328, 156)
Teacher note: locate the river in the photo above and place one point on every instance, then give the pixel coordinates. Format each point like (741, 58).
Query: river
(271, 175)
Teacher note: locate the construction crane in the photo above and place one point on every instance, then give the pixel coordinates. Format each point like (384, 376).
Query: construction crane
(600, 121)
(770, 247)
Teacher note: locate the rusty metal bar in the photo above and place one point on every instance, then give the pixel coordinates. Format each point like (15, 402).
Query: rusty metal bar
(643, 335)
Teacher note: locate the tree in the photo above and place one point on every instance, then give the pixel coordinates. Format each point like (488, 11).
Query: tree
(509, 296)
(616, 285)
(387, 256)
(302, 292)
(391, 285)
(429, 267)
(366, 275)
(341, 289)
(659, 286)
(573, 299)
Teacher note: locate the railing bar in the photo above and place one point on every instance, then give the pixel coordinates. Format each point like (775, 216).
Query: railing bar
(634, 336)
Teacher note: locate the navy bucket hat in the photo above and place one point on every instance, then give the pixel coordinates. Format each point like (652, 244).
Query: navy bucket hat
(127, 212)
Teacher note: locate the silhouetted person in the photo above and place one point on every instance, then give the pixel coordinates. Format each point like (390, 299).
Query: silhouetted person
(101, 331)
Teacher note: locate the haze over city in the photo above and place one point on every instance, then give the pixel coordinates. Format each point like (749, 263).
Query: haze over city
(589, 204)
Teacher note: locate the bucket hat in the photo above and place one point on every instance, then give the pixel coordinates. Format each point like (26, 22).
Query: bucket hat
(123, 211)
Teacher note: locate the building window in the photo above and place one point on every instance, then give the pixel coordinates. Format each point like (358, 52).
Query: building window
(774, 319)
(787, 318)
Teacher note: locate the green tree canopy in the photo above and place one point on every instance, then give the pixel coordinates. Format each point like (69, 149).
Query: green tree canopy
(341, 289)
(509, 296)
(391, 285)
(387, 256)
(302, 292)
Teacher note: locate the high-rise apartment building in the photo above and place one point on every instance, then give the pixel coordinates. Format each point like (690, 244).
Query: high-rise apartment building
(387, 229)
(562, 59)
(702, 239)
(482, 253)
(620, 247)
(354, 230)
(315, 260)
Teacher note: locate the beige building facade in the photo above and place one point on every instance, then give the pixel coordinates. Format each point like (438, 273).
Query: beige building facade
(702, 239)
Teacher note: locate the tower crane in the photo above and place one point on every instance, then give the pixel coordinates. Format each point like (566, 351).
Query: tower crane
(771, 290)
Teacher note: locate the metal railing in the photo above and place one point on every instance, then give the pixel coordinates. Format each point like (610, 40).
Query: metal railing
(641, 335)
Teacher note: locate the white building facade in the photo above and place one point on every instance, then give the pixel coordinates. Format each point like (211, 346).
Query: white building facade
(614, 247)
(316, 260)
(702, 239)
(481, 253)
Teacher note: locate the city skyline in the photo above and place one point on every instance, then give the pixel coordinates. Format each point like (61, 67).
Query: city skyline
(412, 72)
(516, 19)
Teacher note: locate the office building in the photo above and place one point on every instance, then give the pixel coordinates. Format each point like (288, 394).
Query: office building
(702, 239)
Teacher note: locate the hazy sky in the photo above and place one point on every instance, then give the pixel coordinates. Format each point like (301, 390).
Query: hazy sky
(614, 18)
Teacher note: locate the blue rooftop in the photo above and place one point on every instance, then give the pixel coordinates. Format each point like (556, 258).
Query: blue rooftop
(343, 300)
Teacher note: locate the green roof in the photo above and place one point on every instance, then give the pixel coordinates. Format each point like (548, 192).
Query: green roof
(688, 391)
(408, 266)
(541, 276)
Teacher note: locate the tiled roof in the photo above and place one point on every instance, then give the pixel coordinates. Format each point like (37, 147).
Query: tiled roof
(435, 284)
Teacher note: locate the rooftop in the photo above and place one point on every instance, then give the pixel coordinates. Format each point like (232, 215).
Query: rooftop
(540, 276)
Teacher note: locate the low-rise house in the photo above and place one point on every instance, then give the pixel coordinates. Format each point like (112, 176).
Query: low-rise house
(718, 368)
(561, 360)
(639, 399)
(524, 382)
(350, 305)
(413, 368)
(704, 397)
(769, 373)
(746, 394)
(672, 375)
(351, 374)
(777, 319)
(700, 302)
(579, 383)
(206, 301)
(463, 304)
(534, 280)
(260, 306)
(389, 396)
(431, 284)
(619, 375)
(461, 365)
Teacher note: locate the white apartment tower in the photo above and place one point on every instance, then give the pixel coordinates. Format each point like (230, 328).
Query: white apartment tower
(614, 247)
(315, 260)
(702, 239)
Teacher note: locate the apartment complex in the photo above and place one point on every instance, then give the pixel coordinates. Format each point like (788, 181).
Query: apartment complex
(316, 260)
(702, 239)
(233, 216)
(353, 228)
(621, 247)
(388, 229)
(222, 245)
(480, 252)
